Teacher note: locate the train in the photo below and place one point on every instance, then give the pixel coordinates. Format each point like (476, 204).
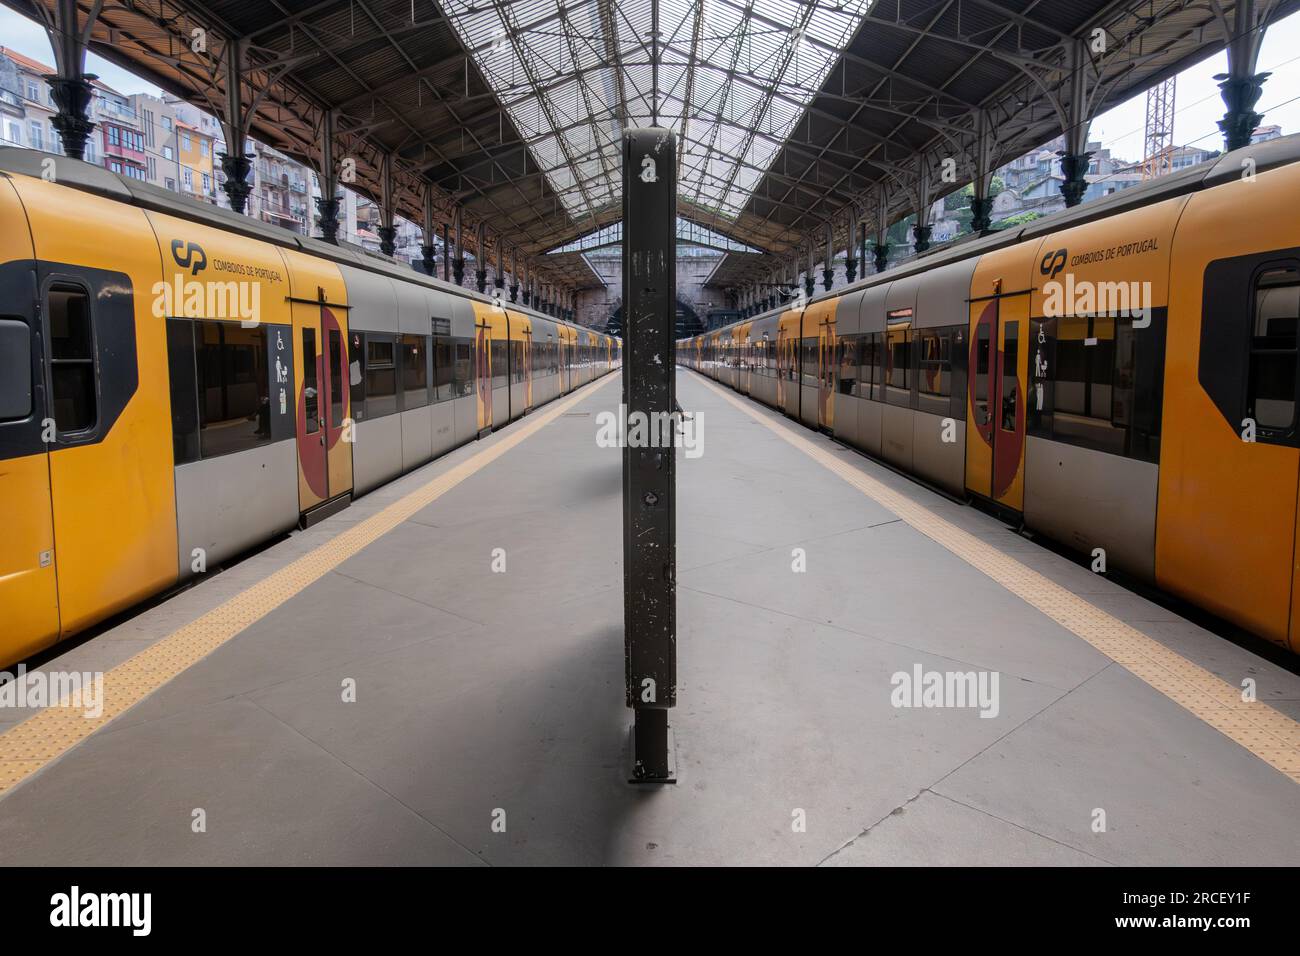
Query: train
(179, 383)
(1119, 378)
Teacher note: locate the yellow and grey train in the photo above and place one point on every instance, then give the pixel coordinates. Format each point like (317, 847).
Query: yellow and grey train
(179, 383)
(1120, 376)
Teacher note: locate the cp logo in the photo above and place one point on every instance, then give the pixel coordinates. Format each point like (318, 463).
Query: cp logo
(1053, 263)
(194, 257)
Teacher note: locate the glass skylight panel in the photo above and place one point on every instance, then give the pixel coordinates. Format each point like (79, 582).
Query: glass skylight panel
(755, 67)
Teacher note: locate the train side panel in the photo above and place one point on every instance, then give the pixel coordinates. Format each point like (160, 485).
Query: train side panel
(1225, 534)
(231, 379)
(111, 461)
(28, 584)
(1092, 451)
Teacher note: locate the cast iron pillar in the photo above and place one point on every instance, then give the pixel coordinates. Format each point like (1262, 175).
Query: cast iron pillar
(828, 267)
(809, 281)
(514, 273)
(981, 204)
(1240, 93)
(649, 473)
(327, 204)
(880, 256)
(922, 234)
(70, 86)
(1241, 86)
(1075, 156)
(480, 257)
(923, 197)
(72, 95)
(234, 125)
(458, 263)
(428, 232)
(850, 253)
(387, 206)
(1073, 168)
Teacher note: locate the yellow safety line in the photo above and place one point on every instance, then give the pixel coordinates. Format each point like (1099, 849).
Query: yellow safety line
(1267, 733)
(45, 736)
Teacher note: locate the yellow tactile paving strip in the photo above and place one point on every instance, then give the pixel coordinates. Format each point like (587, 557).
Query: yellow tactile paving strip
(1270, 735)
(45, 736)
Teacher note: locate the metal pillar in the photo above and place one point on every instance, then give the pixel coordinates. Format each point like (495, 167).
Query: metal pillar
(1074, 159)
(428, 233)
(809, 283)
(327, 204)
(528, 285)
(234, 125)
(649, 473)
(70, 87)
(387, 206)
(862, 246)
(981, 204)
(922, 228)
(458, 263)
(500, 279)
(1241, 86)
(828, 267)
(514, 273)
(880, 250)
(480, 256)
(850, 254)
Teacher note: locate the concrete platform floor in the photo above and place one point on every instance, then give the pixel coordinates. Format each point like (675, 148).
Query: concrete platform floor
(483, 696)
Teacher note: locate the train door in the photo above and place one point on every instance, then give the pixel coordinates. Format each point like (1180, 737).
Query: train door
(27, 579)
(320, 344)
(483, 371)
(526, 350)
(999, 350)
(827, 348)
(566, 359)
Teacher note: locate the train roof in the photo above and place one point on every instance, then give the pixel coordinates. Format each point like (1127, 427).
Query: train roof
(1266, 155)
(15, 160)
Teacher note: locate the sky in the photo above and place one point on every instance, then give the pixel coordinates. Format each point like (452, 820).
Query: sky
(1197, 103)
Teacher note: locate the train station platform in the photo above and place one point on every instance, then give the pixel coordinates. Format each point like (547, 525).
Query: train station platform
(434, 676)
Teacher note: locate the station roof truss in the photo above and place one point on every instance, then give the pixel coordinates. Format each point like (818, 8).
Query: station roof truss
(791, 114)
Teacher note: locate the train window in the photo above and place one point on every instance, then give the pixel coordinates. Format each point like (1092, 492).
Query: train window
(72, 358)
(444, 368)
(1271, 392)
(381, 375)
(1083, 390)
(518, 366)
(309, 379)
(15, 370)
(415, 372)
(808, 361)
(500, 364)
(336, 378)
(981, 401)
(850, 362)
(1010, 379)
(184, 390)
(233, 386)
(934, 369)
(463, 378)
(898, 366)
(357, 375)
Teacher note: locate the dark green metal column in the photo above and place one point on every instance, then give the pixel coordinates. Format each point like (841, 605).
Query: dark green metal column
(649, 473)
